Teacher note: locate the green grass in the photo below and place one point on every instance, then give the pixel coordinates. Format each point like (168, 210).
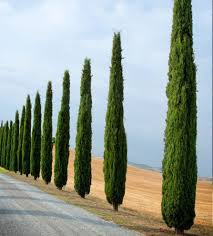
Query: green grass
(2, 170)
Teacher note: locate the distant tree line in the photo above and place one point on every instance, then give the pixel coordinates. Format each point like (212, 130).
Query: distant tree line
(26, 146)
(29, 152)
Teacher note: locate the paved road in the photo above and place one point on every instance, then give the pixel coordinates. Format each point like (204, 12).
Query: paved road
(27, 211)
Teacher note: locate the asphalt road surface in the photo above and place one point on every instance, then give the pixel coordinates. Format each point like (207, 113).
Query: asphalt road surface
(27, 211)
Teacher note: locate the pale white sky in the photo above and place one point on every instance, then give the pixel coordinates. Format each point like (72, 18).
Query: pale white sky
(40, 39)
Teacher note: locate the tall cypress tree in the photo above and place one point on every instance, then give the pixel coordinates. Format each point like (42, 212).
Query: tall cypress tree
(46, 145)
(8, 148)
(4, 145)
(63, 136)
(115, 144)
(26, 139)
(179, 164)
(11, 144)
(82, 163)
(15, 143)
(1, 139)
(19, 151)
(36, 139)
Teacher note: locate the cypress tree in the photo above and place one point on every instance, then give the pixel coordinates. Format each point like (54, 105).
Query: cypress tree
(115, 144)
(1, 139)
(11, 144)
(4, 145)
(19, 151)
(15, 143)
(179, 164)
(36, 139)
(46, 145)
(82, 163)
(3, 142)
(63, 136)
(26, 139)
(8, 148)
(1, 131)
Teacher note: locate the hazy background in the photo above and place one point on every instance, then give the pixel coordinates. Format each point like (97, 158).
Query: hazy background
(40, 39)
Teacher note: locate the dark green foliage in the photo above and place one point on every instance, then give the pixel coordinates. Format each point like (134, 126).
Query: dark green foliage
(63, 136)
(35, 155)
(15, 143)
(1, 139)
(26, 139)
(53, 140)
(82, 163)
(9, 146)
(46, 147)
(179, 164)
(4, 144)
(11, 149)
(115, 144)
(19, 151)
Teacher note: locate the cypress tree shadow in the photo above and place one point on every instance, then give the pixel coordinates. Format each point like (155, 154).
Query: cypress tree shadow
(53, 214)
(32, 199)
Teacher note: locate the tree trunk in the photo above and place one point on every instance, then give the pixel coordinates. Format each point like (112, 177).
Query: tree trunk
(179, 231)
(115, 206)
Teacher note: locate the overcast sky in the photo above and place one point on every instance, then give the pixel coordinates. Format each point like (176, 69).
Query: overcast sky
(40, 39)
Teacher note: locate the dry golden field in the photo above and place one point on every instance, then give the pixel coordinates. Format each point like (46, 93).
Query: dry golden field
(143, 190)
